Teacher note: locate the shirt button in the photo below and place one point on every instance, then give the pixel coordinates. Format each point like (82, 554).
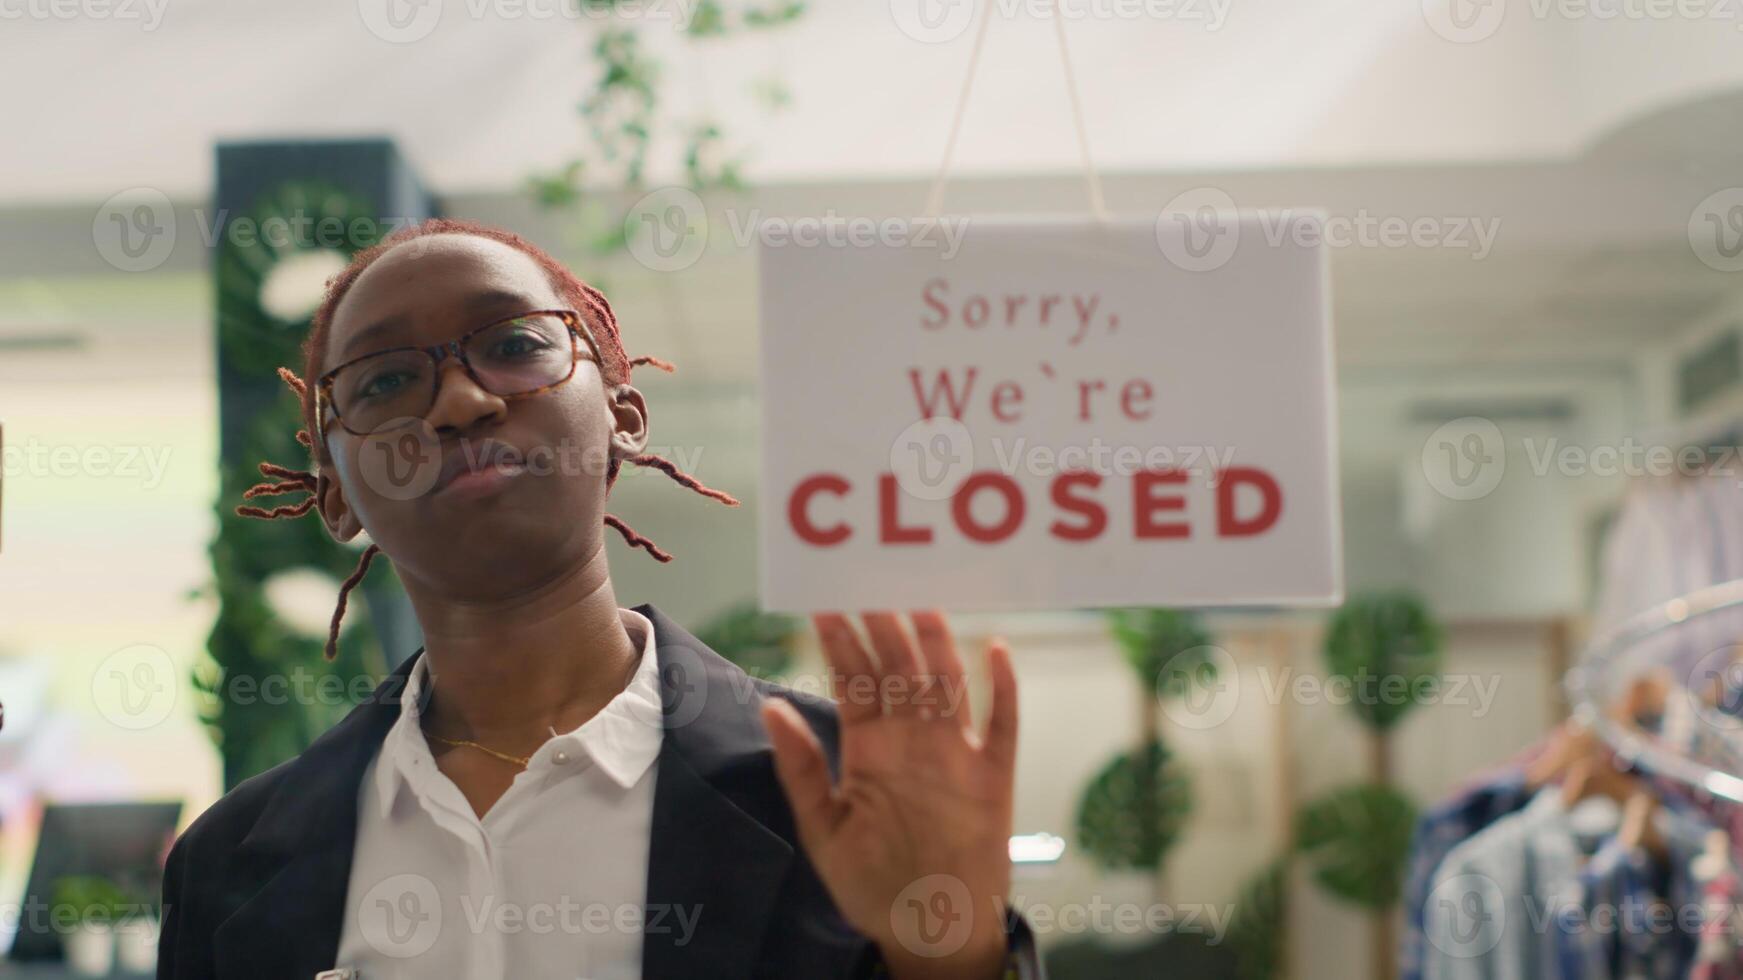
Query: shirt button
(560, 757)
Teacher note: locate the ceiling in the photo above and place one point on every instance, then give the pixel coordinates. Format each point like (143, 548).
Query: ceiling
(137, 95)
(1591, 257)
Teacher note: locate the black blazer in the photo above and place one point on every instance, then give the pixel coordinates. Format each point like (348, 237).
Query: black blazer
(255, 888)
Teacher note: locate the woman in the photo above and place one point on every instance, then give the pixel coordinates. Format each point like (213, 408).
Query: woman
(557, 785)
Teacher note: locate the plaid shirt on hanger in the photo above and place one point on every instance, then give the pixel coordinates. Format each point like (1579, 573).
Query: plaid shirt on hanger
(1438, 831)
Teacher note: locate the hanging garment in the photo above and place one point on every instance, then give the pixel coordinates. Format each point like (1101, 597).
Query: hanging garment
(1719, 955)
(1438, 832)
(1626, 921)
(1485, 917)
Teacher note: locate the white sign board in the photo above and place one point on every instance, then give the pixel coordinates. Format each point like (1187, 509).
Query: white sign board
(1026, 414)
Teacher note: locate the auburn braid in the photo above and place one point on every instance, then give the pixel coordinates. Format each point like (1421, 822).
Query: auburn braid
(614, 366)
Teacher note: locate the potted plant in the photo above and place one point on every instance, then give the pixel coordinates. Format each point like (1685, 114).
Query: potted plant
(761, 643)
(1136, 808)
(86, 909)
(1386, 646)
(136, 936)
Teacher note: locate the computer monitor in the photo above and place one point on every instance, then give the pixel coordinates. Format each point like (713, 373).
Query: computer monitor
(123, 842)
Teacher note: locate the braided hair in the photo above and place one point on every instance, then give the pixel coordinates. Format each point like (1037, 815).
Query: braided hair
(614, 366)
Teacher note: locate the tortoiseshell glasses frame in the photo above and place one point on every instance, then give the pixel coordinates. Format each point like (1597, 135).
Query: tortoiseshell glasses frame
(577, 332)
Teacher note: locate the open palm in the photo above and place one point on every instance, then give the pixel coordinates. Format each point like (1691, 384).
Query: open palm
(913, 840)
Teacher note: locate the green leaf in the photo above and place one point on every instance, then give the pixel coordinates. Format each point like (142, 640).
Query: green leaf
(1168, 649)
(1357, 840)
(774, 15)
(759, 642)
(91, 898)
(1256, 930)
(708, 19)
(1387, 648)
(1134, 810)
(264, 692)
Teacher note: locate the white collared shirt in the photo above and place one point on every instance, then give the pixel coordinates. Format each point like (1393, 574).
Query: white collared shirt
(549, 884)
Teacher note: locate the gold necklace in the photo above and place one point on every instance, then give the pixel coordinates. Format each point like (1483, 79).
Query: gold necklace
(467, 743)
(487, 750)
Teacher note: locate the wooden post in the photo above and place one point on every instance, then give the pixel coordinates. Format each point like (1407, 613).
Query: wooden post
(1283, 774)
(1558, 658)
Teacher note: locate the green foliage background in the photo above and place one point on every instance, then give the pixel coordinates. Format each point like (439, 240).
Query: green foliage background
(248, 644)
(1134, 810)
(1377, 637)
(1167, 648)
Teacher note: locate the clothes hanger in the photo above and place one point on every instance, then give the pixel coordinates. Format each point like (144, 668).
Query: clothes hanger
(1573, 741)
(1598, 777)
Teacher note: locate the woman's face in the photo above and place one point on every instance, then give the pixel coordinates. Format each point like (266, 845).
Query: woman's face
(486, 496)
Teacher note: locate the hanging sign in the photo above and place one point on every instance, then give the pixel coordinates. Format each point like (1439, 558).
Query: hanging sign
(1027, 414)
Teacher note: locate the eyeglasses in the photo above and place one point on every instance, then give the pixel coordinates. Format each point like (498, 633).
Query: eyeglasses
(515, 357)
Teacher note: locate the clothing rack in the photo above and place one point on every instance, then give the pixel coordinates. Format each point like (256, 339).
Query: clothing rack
(1586, 689)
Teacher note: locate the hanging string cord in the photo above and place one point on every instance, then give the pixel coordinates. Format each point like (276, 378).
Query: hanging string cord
(1097, 204)
(935, 200)
(1092, 180)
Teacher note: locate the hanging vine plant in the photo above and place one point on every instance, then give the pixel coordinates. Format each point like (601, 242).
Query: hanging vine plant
(267, 273)
(268, 261)
(622, 117)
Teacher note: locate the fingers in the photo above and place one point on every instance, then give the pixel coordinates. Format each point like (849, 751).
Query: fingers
(924, 679)
(853, 677)
(1001, 733)
(802, 768)
(947, 682)
(896, 655)
(899, 671)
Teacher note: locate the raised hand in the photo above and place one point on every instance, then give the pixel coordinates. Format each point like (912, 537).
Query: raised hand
(913, 840)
